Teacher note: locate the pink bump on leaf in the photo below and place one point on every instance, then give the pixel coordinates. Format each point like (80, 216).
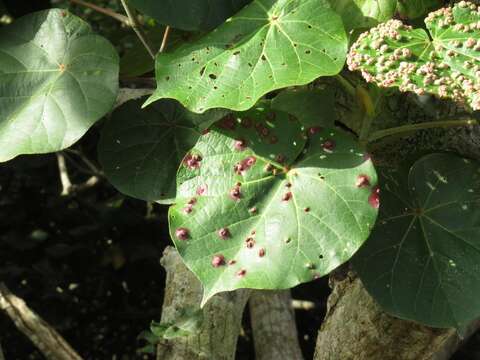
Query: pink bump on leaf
(261, 252)
(202, 190)
(182, 234)
(188, 209)
(232, 262)
(280, 158)
(268, 167)
(228, 122)
(235, 193)
(241, 272)
(273, 139)
(250, 242)
(252, 210)
(205, 132)
(328, 145)
(287, 196)
(218, 260)
(314, 130)
(240, 145)
(307, 209)
(224, 233)
(362, 181)
(244, 165)
(192, 161)
(192, 201)
(253, 232)
(374, 198)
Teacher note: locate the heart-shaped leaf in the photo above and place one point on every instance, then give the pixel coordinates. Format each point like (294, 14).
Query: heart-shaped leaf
(421, 261)
(266, 46)
(364, 13)
(394, 54)
(57, 79)
(140, 150)
(190, 14)
(413, 9)
(258, 208)
(312, 107)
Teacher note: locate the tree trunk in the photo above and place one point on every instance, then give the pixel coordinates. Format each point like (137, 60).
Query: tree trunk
(217, 338)
(356, 328)
(273, 324)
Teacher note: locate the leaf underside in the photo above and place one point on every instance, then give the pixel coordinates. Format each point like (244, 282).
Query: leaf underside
(421, 260)
(140, 149)
(57, 78)
(448, 66)
(266, 46)
(277, 211)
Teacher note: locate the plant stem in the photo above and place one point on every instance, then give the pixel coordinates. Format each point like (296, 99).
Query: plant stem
(133, 22)
(414, 127)
(346, 84)
(122, 18)
(164, 39)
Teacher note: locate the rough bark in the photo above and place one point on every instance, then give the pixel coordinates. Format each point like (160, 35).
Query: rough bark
(217, 338)
(45, 338)
(356, 328)
(273, 324)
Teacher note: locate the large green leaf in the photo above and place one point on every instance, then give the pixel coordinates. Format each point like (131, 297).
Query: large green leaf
(312, 107)
(190, 14)
(415, 8)
(56, 79)
(394, 54)
(422, 259)
(364, 13)
(140, 150)
(267, 45)
(257, 207)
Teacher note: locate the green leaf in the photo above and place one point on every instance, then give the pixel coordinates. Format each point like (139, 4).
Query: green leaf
(447, 66)
(421, 261)
(266, 46)
(57, 79)
(364, 13)
(413, 9)
(258, 208)
(312, 107)
(140, 150)
(190, 14)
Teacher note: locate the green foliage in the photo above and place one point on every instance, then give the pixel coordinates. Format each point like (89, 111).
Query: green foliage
(58, 78)
(446, 66)
(267, 45)
(413, 9)
(259, 206)
(421, 261)
(190, 14)
(364, 13)
(312, 107)
(140, 150)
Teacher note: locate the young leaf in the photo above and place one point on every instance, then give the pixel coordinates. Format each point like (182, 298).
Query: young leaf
(364, 13)
(312, 107)
(258, 208)
(57, 79)
(266, 46)
(140, 150)
(413, 9)
(394, 54)
(190, 14)
(421, 261)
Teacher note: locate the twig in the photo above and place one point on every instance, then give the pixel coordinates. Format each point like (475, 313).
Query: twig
(421, 126)
(346, 85)
(122, 18)
(133, 22)
(91, 166)
(164, 39)
(64, 178)
(52, 345)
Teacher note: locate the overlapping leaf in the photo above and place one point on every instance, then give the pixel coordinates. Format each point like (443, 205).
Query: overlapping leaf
(422, 259)
(364, 13)
(140, 150)
(56, 79)
(394, 54)
(312, 107)
(190, 14)
(257, 207)
(415, 8)
(267, 45)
